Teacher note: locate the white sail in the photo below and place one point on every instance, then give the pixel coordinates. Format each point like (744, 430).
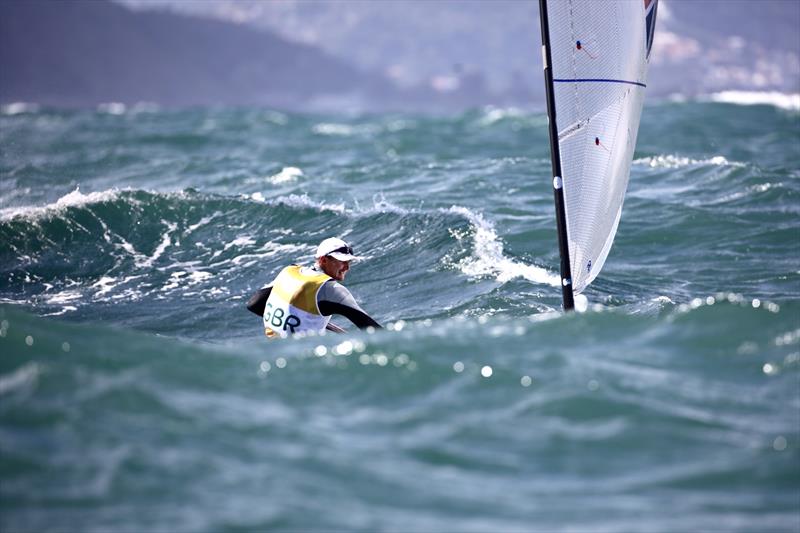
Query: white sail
(599, 51)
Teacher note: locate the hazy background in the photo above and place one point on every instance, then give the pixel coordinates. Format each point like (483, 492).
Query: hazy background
(357, 55)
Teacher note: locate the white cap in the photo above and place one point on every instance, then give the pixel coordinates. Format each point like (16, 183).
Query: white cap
(336, 248)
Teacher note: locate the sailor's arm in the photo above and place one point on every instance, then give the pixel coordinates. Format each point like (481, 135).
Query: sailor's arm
(335, 299)
(357, 316)
(258, 301)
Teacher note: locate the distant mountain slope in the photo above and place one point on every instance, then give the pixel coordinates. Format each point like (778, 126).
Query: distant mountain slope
(435, 56)
(701, 46)
(82, 52)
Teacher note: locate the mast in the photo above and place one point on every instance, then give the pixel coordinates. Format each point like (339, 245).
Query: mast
(555, 156)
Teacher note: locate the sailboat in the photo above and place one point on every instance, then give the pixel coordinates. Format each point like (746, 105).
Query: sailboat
(595, 55)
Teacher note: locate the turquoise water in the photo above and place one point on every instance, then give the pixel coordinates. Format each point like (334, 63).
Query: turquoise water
(137, 393)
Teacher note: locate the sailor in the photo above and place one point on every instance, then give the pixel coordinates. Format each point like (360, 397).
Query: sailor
(302, 299)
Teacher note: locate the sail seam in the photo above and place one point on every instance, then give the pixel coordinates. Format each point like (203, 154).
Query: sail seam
(576, 99)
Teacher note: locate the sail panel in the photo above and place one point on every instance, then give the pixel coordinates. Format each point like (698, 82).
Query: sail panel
(599, 52)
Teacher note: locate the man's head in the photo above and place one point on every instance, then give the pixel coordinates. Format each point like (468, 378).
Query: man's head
(333, 257)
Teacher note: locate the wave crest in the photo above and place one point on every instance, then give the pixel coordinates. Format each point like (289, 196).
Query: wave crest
(72, 199)
(676, 161)
(789, 102)
(487, 257)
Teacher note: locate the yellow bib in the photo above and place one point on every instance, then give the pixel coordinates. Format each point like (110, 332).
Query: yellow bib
(292, 303)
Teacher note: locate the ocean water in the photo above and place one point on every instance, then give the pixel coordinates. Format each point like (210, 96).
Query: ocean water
(138, 394)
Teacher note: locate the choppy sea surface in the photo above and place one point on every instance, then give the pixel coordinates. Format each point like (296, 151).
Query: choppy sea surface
(138, 394)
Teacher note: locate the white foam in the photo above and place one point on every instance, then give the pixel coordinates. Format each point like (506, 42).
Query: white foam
(270, 249)
(760, 188)
(663, 300)
(380, 205)
(240, 241)
(581, 303)
(286, 175)
(105, 284)
(16, 108)
(487, 257)
(676, 161)
(138, 258)
(294, 200)
(277, 118)
(203, 221)
(22, 377)
(345, 130)
(120, 243)
(112, 108)
(182, 278)
(76, 198)
(162, 246)
(64, 310)
(63, 297)
(342, 130)
(764, 187)
(128, 295)
(786, 101)
(495, 114)
(199, 276)
(73, 199)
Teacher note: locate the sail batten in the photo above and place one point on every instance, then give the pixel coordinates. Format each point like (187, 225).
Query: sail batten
(596, 75)
(599, 80)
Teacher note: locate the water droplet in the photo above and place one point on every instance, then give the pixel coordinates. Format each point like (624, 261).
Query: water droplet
(525, 381)
(29, 340)
(458, 366)
(344, 348)
(592, 385)
(280, 362)
(779, 444)
(487, 371)
(65, 346)
(264, 367)
(320, 351)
